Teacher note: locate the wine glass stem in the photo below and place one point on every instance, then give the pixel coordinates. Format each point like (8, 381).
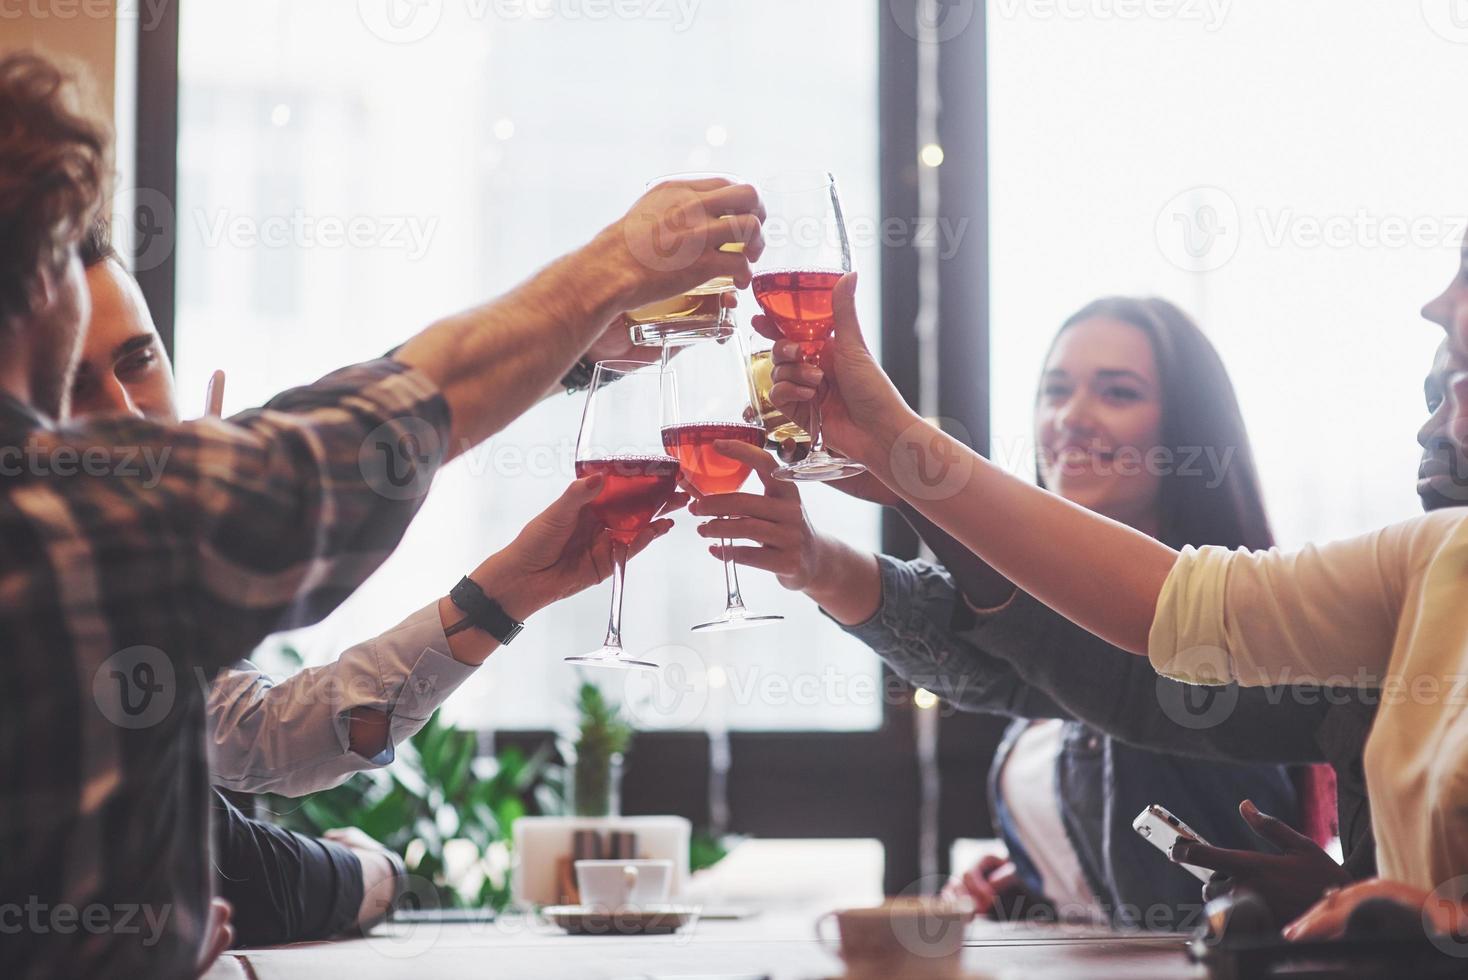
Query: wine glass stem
(734, 600)
(619, 573)
(817, 444)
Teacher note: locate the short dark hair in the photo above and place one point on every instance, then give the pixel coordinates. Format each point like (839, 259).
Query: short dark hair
(96, 245)
(53, 175)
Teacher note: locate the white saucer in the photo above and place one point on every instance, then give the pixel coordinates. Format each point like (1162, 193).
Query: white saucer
(647, 920)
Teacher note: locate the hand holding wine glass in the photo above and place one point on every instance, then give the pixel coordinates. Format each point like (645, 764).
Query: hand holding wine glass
(861, 410)
(621, 443)
(709, 401)
(680, 235)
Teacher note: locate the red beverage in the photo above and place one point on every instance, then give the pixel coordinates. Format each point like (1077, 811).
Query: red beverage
(636, 488)
(709, 471)
(800, 304)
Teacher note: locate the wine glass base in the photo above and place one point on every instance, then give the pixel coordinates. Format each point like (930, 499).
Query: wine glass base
(736, 621)
(812, 470)
(610, 659)
(681, 333)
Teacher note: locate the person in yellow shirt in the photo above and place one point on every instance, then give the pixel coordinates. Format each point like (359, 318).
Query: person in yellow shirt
(1381, 610)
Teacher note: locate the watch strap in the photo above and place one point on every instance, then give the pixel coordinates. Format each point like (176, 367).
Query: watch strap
(483, 612)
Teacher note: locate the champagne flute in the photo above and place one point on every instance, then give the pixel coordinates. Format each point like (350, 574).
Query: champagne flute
(708, 395)
(798, 271)
(621, 440)
(700, 313)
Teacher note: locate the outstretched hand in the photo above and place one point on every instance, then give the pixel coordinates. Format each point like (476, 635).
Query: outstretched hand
(784, 541)
(562, 551)
(1289, 882)
(861, 409)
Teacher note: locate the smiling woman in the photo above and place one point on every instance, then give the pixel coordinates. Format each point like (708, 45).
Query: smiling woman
(1137, 419)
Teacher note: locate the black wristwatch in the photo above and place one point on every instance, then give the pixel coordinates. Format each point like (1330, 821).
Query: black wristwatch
(482, 612)
(579, 377)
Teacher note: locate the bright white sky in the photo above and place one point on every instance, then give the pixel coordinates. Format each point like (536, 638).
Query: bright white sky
(1336, 114)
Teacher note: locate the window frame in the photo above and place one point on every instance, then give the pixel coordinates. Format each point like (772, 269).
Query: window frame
(875, 784)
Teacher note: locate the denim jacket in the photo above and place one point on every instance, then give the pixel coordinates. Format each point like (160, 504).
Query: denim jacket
(1134, 738)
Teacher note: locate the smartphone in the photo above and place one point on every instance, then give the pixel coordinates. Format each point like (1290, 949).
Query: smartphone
(1163, 829)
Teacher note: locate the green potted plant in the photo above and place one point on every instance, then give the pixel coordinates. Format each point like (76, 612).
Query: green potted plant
(602, 739)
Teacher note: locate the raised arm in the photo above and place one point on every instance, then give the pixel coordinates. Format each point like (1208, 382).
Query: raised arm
(493, 362)
(317, 727)
(1101, 574)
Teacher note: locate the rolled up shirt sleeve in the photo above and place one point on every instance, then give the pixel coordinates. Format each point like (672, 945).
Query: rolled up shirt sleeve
(292, 737)
(1325, 614)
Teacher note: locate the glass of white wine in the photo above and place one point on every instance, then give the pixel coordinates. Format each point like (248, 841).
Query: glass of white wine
(700, 313)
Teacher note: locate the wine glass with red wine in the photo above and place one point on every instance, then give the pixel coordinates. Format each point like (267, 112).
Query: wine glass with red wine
(621, 440)
(708, 395)
(807, 251)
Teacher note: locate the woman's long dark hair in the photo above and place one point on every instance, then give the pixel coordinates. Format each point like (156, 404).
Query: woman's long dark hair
(1210, 493)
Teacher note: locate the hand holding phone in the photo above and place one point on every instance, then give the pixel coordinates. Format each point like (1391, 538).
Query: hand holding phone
(1164, 830)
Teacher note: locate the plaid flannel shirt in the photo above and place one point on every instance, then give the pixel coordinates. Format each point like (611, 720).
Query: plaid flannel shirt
(138, 559)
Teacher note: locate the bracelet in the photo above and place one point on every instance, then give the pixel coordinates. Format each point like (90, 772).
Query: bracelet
(579, 377)
(482, 612)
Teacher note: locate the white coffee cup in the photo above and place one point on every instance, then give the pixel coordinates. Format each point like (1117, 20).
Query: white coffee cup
(614, 885)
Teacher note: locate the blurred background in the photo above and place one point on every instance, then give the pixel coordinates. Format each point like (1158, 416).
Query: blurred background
(325, 178)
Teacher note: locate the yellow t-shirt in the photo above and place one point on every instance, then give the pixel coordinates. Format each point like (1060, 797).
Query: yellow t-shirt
(1386, 610)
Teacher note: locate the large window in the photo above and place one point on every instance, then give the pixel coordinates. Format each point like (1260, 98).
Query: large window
(1287, 172)
(349, 171)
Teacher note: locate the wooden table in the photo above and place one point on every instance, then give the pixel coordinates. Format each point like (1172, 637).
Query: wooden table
(780, 945)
